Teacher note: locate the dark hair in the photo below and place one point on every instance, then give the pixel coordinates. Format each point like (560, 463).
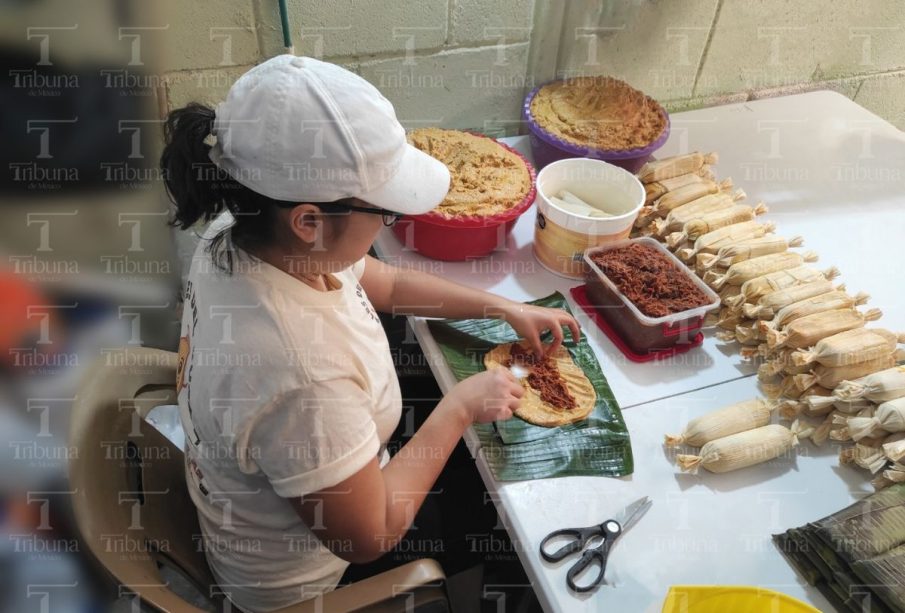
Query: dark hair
(200, 190)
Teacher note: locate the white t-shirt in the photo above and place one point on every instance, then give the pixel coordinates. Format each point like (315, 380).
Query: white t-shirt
(283, 391)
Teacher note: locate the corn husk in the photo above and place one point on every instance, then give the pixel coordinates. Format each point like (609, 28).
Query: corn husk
(688, 193)
(727, 336)
(774, 365)
(880, 482)
(789, 409)
(846, 455)
(831, 376)
(808, 330)
(880, 386)
(730, 291)
(829, 401)
(787, 387)
(767, 306)
(777, 362)
(746, 270)
(734, 418)
(677, 217)
(806, 399)
(865, 429)
(747, 334)
(655, 190)
(851, 407)
(768, 371)
(889, 417)
(893, 438)
(894, 449)
(699, 262)
(747, 250)
(872, 441)
(791, 369)
(675, 166)
(830, 301)
(645, 216)
(822, 432)
(694, 229)
(894, 473)
(728, 319)
(712, 242)
(840, 434)
(745, 449)
(850, 347)
(870, 458)
(755, 289)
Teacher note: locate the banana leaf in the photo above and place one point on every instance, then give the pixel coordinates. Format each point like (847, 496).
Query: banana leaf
(516, 449)
(855, 557)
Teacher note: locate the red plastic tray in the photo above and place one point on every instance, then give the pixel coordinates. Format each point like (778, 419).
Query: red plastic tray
(579, 293)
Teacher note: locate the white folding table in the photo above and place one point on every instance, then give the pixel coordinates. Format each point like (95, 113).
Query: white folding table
(830, 171)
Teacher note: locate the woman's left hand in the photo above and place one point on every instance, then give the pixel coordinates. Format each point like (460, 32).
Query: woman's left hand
(531, 322)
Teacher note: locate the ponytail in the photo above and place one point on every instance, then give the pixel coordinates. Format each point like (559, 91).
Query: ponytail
(191, 179)
(200, 190)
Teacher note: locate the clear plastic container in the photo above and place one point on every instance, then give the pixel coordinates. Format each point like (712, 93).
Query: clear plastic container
(643, 334)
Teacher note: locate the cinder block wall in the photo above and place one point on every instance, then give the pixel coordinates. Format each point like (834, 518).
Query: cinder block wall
(456, 63)
(696, 53)
(468, 63)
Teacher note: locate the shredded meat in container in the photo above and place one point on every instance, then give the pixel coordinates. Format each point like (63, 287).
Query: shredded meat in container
(544, 377)
(650, 280)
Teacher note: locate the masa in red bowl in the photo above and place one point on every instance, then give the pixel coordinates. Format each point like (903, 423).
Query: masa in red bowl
(462, 237)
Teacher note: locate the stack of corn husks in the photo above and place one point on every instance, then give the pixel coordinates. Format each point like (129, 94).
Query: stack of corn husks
(817, 355)
(855, 557)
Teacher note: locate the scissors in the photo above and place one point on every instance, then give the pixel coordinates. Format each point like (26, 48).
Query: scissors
(609, 531)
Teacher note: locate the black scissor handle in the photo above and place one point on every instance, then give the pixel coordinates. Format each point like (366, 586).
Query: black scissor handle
(579, 537)
(587, 558)
(610, 531)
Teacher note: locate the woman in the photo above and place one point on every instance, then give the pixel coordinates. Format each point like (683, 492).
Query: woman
(287, 389)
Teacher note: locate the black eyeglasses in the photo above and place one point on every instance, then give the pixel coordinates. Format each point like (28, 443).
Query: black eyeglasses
(344, 206)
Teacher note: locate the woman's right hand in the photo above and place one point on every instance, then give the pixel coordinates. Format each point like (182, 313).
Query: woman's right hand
(487, 396)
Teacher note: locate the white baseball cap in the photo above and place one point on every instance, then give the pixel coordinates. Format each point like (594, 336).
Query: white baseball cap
(301, 130)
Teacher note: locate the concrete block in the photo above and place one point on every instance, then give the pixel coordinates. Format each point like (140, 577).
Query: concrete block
(884, 94)
(401, 26)
(654, 46)
(500, 22)
(211, 34)
(344, 28)
(206, 86)
(319, 28)
(776, 43)
(477, 88)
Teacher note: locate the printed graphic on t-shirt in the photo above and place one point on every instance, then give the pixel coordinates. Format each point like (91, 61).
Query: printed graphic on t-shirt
(365, 303)
(184, 372)
(180, 367)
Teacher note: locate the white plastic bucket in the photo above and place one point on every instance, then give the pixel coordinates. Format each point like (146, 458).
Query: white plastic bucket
(561, 237)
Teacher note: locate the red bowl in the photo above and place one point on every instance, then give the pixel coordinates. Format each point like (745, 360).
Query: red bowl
(464, 237)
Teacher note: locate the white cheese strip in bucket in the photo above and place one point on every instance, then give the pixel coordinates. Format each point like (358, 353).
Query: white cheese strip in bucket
(568, 201)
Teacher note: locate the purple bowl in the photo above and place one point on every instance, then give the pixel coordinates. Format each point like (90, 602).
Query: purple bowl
(547, 148)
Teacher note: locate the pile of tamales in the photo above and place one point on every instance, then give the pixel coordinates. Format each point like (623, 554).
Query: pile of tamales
(820, 362)
(855, 557)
